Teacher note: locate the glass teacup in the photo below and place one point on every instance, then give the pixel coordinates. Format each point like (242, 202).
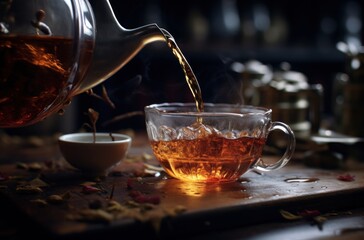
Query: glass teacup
(217, 145)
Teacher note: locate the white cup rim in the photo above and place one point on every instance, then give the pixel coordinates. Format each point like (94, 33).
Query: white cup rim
(87, 138)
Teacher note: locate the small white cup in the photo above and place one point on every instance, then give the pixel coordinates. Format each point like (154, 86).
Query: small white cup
(80, 150)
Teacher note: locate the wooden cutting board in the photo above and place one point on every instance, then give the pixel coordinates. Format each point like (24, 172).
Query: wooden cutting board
(183, 208)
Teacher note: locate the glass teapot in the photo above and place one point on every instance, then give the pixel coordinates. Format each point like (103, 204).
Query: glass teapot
(53, 50)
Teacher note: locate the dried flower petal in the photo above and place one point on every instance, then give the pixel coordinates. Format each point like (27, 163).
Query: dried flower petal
(346, 178)
(87, 189)
(144, 198)
(309, 213)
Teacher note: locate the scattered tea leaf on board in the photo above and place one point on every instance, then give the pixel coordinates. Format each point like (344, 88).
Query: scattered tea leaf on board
(319, 221)
(28, 189)
(37, 182)
(21, 165)
(35, 166)
(39, 202)
(289, 216)
(92, 215)
(55, 199)
(114, 206)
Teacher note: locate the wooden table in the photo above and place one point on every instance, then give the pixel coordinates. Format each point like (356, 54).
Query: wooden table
(295, 202)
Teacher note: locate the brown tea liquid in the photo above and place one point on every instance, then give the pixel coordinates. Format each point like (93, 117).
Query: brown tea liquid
(35, 71)
(208, 159)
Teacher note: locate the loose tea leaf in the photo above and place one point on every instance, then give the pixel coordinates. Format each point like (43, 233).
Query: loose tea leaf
(93, 116)
(37, 182)
(40, 202)
(112, 137)
(289, 216)
(28, 189)
(21, 165)
(104, 96)
(35, 166)
(92, 215)
(55, 199)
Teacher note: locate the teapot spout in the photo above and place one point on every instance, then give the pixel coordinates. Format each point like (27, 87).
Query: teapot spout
(114, 45)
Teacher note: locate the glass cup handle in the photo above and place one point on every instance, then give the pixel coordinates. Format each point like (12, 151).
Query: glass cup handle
(291, 144)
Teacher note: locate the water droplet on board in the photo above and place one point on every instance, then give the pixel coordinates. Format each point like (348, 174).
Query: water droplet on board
(244, 180)
(299, 180)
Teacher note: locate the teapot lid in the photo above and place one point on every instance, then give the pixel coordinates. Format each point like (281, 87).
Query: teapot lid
(254, 70)
(288, 80)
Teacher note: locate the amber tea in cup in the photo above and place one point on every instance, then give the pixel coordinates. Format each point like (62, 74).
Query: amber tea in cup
(217, 145)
